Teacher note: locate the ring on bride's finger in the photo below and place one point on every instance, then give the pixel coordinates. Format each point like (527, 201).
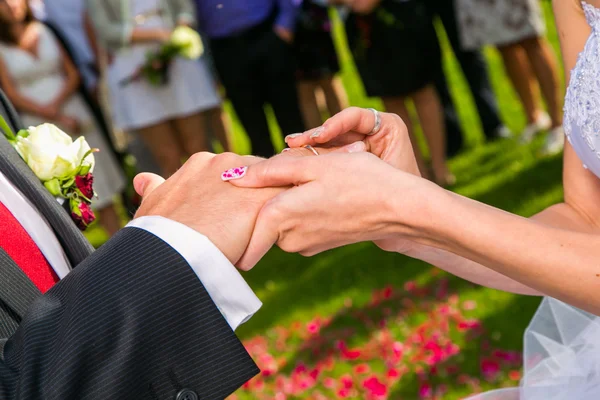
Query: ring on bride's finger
(377, 126)
(309, 147)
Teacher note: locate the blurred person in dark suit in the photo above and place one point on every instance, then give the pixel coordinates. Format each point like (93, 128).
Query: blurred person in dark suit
(251, 43)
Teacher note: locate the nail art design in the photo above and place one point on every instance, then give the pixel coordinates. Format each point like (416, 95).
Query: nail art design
(317, 132)
(234, 173)
(292, 136)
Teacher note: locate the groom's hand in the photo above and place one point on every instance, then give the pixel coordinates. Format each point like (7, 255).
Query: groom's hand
(197, 197)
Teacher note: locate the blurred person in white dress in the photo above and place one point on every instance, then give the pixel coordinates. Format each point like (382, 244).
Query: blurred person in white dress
(42, 82)
(171, 118)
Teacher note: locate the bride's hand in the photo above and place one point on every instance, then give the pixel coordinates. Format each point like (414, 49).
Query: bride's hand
(391, 142)
(338, 199)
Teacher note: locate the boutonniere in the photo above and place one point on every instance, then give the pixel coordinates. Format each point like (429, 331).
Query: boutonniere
(63, 166)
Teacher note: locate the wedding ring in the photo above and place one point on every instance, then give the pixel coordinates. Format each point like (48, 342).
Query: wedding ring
(377, 126)
(309, 147)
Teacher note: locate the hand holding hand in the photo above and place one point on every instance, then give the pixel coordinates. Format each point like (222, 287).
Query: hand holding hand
(391, 142)
(197, 197)
(339, 199)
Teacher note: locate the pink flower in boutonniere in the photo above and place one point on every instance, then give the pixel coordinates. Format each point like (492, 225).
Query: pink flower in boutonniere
(85, 185)
(82, 214)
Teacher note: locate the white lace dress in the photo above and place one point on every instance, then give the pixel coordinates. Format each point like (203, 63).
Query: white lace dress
(41, 79)
(562, 343)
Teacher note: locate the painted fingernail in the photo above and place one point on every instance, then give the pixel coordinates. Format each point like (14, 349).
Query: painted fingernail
(285, 150)
(317, 132)
(357, 147)
(234, 173)
(292, 136)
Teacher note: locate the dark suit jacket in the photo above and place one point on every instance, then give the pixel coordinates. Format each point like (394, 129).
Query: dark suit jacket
(131, 321)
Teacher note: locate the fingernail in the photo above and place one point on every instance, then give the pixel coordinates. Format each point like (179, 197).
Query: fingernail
(292, 136)
(357, 147)
(234, 173)
(285, 150)
(317, 132)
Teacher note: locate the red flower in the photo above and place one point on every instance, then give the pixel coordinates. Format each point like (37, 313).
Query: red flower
(362, 369)
(514, 375)
(83, 215)
(489, 368)
(375, 387)
(85, 185)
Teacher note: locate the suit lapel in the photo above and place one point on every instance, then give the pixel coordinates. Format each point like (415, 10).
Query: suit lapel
(76, 246)
(16, 290)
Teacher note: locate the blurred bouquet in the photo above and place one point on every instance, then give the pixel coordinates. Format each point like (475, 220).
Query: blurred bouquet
(184, 42)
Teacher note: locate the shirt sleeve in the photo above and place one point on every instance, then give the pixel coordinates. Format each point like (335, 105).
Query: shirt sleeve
(223, 282)
(288, 11)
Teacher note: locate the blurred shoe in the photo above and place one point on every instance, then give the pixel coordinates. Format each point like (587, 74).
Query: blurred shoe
(503, 132)
(542, 123)
(555, 142)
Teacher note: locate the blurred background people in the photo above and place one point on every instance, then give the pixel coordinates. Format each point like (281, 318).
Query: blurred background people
(251, 44)
(475, 70)
(317, 65)
(397, 54)
(517, 29)
(42, 82)
(170, 118)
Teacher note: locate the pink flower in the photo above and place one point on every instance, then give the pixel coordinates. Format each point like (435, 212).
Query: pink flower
(329, 383)
(348, 354)
(468, 324)
(346, 381)
(425, 390)
(362, 369)
(375, 387)
(490, 368)
(85, 185)
(83, 215)
(387, 292)
(410, 286)
(343, 393)
(393, 373)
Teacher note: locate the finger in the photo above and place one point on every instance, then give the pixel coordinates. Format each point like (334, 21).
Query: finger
(306, 152)
(275, 172)
(356, 147)
(146, 182)
(265, 235)
(351, 120)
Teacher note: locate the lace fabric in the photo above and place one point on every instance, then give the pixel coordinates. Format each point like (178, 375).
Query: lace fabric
(582, 102)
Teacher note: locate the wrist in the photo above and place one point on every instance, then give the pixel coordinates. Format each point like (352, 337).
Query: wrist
(416, 213)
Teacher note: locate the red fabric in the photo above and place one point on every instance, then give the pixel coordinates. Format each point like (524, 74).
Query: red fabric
(17, 243)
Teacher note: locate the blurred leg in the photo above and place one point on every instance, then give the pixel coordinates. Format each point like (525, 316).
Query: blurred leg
(191, 133)
(519, 71)
(543, 60)
(220, 127)
(163, 143)
(308, 103)
(109, 219)
(335, 94)
(475, 70)
(455, 140)
(397, 106)
(430, 114)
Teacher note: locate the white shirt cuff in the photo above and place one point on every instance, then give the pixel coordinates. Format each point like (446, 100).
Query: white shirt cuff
(223, 282)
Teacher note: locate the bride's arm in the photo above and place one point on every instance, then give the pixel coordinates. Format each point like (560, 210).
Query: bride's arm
(578, 213)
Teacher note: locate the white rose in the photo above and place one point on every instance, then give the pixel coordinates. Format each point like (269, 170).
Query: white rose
(189, 40)
(51, 153)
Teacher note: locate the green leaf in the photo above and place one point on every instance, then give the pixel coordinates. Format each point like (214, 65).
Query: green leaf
(68, 183)
(6, 129)
(24, 133)
(53, 187)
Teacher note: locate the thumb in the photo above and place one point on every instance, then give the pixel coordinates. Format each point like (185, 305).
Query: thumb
(275, 172)
(145, 183)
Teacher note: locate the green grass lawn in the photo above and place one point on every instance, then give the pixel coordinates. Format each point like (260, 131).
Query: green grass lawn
(361, 323)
